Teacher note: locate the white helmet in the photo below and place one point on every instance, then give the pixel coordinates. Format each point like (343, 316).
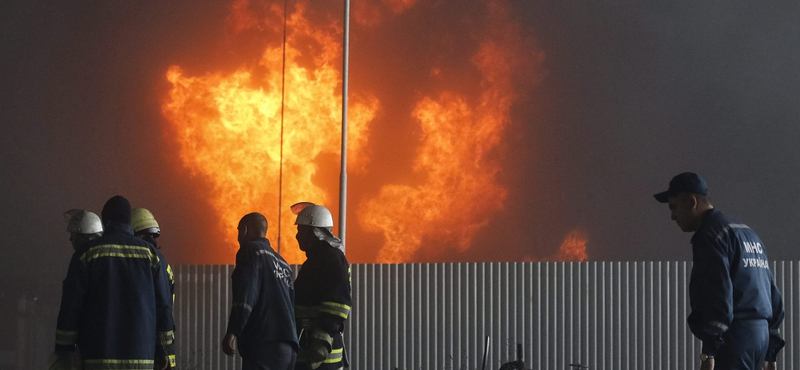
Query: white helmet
(312, 215)
(83, 222)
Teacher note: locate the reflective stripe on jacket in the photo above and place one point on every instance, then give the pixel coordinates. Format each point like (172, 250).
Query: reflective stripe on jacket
(323, 295)
(116, 304)
(170, 349)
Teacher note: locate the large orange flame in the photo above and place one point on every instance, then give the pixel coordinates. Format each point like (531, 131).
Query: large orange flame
(229, 128)
(460, 191)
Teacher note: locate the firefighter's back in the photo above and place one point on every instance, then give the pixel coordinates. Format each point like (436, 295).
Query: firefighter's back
(119, 320)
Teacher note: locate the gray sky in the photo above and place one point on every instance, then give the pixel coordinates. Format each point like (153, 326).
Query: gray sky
(630, 95)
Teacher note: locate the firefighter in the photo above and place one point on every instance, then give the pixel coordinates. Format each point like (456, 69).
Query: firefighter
(322, 303)
(82, 226)
(262, 313)
(146, 227)
(116, 307)
(737, 309)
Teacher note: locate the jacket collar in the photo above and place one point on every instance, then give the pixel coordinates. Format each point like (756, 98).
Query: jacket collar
(710, 214)
(113, 227)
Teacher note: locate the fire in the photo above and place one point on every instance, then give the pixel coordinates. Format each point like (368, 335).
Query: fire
(460, 191)
(371, 14)
(573, 248)
(229, 128)
(399, 6)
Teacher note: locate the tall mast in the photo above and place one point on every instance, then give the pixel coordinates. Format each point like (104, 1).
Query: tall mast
(343, 175)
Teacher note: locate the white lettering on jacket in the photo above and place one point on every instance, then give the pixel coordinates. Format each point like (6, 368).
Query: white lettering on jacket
(283, 274)
(756, 262)
(753, 248)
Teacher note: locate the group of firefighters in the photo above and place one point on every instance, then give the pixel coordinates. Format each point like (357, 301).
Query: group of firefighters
(117, 298)
(116, 307)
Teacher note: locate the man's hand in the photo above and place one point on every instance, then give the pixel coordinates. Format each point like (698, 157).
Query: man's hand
(707, 364)
(162, 363)
(770, 365)
(228, 343)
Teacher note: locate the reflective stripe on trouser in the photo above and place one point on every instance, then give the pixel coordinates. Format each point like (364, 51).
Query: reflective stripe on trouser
(334, 360)
(745, 346)
(335, 356)
(116, 364)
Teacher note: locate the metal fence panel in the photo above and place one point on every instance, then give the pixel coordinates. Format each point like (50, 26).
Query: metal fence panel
(605, 315)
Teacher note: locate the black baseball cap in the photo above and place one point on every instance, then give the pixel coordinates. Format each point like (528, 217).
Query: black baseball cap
(686, 182)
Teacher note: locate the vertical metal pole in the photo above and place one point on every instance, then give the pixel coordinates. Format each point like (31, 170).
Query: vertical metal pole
(343, 175)
(283, 104)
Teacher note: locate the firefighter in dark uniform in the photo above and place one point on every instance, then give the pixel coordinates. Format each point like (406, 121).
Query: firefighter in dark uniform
(146, 227)
(736, 307)
(83, 226)
(323, 300)
(115, 305)
(262, 313)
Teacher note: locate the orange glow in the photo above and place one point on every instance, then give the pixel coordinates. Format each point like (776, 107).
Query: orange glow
(241, 18)
(574, 248)
(460, 191)
(399, 6)
(228, 126)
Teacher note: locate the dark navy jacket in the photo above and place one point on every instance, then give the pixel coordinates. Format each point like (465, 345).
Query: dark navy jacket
(116, 303)
(263, 296)
(730, 281)
(324, 294)
(324, 283)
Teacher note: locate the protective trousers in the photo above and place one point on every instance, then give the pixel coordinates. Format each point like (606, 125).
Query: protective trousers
(745, 346)
(336, 359)
(274, 356)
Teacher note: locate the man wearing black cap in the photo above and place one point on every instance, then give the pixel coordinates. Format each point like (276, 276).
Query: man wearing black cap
(736, 307)
(116, 306)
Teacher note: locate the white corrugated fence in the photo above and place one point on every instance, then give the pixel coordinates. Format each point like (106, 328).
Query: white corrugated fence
(605, 315)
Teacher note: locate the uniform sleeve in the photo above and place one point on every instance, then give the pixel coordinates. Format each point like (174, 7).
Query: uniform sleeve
(246, 285)
(165, 323)
(776, 342)
(73, 296)
(335, 306)
(171, 283)
(711, 293)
